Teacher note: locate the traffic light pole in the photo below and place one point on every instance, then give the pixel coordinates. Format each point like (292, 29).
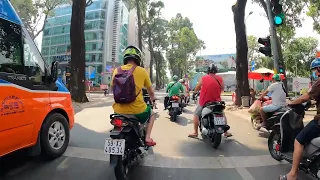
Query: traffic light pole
(273, 38)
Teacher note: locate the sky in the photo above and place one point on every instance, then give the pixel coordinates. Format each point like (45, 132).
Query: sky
(213, 22)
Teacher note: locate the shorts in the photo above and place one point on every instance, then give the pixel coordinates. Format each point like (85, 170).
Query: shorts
(311, 131)
(144, 116)
(270, 108)
(198, 110)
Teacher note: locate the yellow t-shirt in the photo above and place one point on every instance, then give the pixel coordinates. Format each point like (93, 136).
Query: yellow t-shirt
(141, 79)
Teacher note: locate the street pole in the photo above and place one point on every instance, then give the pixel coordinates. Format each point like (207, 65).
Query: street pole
(273, 38)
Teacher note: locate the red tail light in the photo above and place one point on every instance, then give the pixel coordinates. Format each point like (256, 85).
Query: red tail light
(117, 122)
(175, 97)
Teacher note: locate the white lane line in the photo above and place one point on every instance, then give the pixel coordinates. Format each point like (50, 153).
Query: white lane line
(157, 160)
(245, 174)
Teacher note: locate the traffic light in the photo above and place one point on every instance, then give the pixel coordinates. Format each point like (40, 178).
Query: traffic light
(266, 50)
(278, 16)
(280, 69)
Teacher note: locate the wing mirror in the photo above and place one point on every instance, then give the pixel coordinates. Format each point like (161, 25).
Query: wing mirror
(54, 71)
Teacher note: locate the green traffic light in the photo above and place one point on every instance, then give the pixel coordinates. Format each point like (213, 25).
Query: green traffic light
(278, 19)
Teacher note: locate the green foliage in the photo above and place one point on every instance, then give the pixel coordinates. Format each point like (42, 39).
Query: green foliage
(35, 12)
(183, 45)
(314, 13)
(299, 53)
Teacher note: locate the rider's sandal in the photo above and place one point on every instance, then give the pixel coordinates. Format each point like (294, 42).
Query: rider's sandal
(228, 135)
(285, 177)
(151, 143)
(193, 135)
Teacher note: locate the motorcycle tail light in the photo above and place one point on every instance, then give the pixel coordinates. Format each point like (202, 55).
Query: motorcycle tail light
(175, 98)
(118, 123)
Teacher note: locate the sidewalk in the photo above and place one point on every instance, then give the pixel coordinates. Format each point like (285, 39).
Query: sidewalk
(91, 104)
(244, 114)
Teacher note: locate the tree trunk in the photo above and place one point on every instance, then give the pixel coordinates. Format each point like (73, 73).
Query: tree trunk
(139, 24)
(152, 56)
(242, 50)
(77, 81)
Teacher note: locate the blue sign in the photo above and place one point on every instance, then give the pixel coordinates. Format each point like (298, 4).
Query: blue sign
(253, 65)
(109, 68)
(91, 75)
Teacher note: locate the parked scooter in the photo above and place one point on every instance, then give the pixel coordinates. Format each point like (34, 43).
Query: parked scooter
(282, 137)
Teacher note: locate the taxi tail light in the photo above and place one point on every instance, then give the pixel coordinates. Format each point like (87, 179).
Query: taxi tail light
(118, 122)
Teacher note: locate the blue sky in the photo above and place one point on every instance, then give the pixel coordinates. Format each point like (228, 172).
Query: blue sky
(213, 22)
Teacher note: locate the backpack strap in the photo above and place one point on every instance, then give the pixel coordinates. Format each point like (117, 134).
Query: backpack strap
(132, 69)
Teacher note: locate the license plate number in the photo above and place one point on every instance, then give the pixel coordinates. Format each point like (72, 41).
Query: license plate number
(175, 104)
(114, 146)
(219, 120)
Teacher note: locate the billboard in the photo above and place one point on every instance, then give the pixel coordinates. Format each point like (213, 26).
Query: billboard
(224, 62)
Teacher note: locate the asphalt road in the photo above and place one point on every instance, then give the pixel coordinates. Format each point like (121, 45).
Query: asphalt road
(241, 157)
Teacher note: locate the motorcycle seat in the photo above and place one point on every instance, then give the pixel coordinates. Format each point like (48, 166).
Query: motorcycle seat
(316, 141)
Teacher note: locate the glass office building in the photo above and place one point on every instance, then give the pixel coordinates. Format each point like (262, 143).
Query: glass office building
(99, 21)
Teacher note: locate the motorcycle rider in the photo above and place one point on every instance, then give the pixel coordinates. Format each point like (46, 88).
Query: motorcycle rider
(211, 88)
(132, 57)
(312, 130)
(173, 88)
(186, 89)
(278, 96)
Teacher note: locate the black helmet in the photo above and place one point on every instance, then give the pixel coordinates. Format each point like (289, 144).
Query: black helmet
(132, 52)
(212, 69)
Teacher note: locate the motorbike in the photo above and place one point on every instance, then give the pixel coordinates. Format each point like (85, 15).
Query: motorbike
(105, 92)
(255, 116)
(282, 137)
(213, 123)
(147, 99)
(195, 97)
(175, 108)
(126, 145)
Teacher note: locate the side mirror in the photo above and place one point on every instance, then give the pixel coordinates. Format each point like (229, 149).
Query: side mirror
(54, 71)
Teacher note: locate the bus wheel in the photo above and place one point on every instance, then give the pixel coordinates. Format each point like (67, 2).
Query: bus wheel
(55, 135)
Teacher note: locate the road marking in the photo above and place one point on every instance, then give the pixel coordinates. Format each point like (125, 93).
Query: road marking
(245, 174)
(160, 161)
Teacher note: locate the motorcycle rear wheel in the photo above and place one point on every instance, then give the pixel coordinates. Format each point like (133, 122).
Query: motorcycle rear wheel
(121, 170)
(216, 140)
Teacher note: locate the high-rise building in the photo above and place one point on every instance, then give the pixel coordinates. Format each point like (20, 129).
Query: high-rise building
(106, 35)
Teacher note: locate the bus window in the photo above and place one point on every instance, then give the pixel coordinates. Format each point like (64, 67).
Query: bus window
(34, 65)
(10, 48)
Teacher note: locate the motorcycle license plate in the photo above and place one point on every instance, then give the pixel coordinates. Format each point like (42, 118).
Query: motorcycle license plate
(219, 120)
(175, 104)
(114, 146)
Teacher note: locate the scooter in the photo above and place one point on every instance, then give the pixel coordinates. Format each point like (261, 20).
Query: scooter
(282, 137)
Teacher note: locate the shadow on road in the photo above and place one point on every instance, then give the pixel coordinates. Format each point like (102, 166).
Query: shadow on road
(183, 121)
(20, 166)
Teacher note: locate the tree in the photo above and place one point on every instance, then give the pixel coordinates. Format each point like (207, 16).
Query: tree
(314, 13)
(183, 45)
(35, 12)
(158, 40)
(253, 47)
(76, 83)
(141, 7)
(151, 27)
(292, 10)
(241, 50)
(299, 54)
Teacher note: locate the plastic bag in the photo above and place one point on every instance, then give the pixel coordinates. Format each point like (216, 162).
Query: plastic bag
(255, 107)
